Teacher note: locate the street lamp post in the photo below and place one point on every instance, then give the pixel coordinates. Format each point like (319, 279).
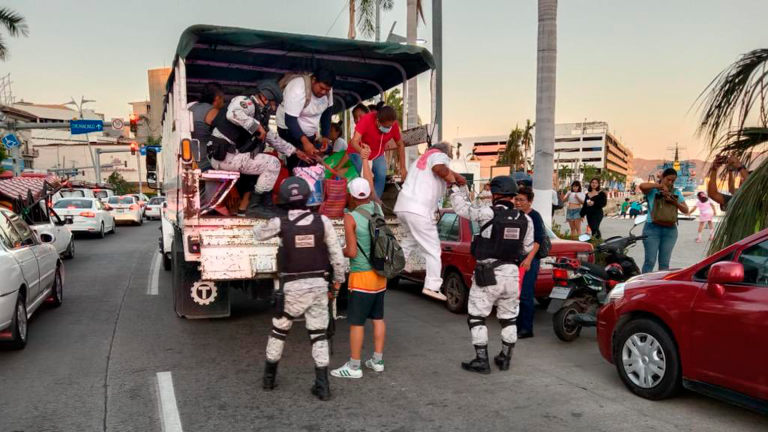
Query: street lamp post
(79, 107)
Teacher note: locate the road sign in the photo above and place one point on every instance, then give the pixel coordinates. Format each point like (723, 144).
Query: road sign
(117, 124)
(79, 127)
(10, 141)
(143, 149)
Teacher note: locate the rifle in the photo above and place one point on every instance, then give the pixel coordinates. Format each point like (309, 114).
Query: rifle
(331, 319)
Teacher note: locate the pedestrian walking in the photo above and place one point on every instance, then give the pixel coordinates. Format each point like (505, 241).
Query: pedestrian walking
(575, 199)
(309, 247)
(366, 287)
(706, 213)
(624, 208)
(531, 263)
(504, 238)
(417, 205)
(594, 203)
(664, 202)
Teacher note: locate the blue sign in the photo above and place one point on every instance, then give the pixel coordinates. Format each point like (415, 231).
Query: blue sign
(10, 141)
(79, 127)
(143, 150)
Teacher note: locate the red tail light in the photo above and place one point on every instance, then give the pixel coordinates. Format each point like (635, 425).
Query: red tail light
(88, 214)
(133, 207)
(560, 274)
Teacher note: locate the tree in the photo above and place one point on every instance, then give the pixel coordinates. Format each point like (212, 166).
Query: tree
(16, 26)
(588, 172)
(734, 121)
(3, 155)
(546, 81)
(526, 141)
(363, 13)
(118, 183)
(394, 98)
(513, 152)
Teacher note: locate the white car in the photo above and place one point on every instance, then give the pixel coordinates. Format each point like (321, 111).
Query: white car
(88, 215)
(56, 226)
(73, 193)
(154, 208)
(142, 200)
(32, 273)
(103, 194)
(126, 208)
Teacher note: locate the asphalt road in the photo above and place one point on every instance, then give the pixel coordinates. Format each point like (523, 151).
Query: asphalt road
(93, 364)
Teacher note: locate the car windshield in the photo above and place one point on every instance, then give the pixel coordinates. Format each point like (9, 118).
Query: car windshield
(100, 194)
(73, 203)
(156, 201)
(73, 194)
(121, 200)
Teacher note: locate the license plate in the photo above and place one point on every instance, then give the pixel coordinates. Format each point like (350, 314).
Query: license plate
(120, 210)
(560, 293)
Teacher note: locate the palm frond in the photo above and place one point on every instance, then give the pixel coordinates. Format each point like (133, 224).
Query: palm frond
(748, 144)
(3, 49)
(13, 22)
(366, 17)
(728, 101)
(747, 211)
(387, 5)
(420, 10)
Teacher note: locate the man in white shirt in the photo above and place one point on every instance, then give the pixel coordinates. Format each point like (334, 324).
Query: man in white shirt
(306, 112)
(417, 205)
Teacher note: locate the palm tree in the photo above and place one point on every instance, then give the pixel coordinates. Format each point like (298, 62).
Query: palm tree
(545, 107)
(734, 121)
(16, 26)
(362, 15)
(526, 142)
(513, 152)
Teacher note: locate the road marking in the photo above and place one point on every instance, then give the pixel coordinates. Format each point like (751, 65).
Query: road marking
(169, 412)
(154, 274)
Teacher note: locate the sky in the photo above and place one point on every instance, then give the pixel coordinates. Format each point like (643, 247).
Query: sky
(638, 65)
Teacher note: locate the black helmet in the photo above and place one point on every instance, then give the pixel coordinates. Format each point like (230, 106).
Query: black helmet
(503, 185)
(294, 190)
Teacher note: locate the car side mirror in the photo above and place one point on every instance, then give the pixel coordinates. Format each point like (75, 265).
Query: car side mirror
(584, 237)
(68, 220)
(47, 238)
(724, 273)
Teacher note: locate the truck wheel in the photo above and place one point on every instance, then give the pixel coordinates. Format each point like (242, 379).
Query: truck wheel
(457, 292)
(647, 360)
(565, 329)
(166, 261)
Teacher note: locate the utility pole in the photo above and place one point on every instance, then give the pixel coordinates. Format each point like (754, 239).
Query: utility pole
(138, 165)
(79, 107)
(413, 93)
(437, 52)
(378, 21)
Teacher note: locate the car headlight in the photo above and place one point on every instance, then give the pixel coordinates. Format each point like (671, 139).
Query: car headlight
(617, 293)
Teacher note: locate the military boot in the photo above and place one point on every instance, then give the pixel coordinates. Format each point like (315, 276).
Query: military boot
(480, 363)
(270, 373)
(322, 388)
(260, 206)
(505, 356)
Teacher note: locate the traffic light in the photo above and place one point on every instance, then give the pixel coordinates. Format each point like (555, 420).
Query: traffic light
(134, 148)
(134, 122)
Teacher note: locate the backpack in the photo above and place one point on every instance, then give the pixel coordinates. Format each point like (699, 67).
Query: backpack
(283, 83)
(664, 213)
(545, 247)
(387, 257)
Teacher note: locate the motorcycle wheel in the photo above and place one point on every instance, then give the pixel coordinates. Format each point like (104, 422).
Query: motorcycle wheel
(564, 330)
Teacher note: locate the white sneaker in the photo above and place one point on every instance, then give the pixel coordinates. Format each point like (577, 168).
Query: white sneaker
(434, 294)
(347, 372)
(376, 366)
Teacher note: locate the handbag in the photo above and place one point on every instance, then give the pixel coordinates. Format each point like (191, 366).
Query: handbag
(335, 199)
(664, 213)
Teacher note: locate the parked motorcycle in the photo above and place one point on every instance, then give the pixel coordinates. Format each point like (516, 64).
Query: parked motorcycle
(582, 287)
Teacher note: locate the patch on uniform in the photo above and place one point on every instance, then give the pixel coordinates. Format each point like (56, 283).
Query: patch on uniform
(511, 233)
(304, 241)
(244, 104)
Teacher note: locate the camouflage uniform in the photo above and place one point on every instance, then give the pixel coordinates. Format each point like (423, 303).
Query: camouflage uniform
(506, 293)
(308, 297)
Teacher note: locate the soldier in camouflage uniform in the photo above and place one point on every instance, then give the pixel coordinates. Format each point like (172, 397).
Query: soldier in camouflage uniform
(309, 248)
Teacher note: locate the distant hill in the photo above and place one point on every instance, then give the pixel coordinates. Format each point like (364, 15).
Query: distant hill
(646, 167)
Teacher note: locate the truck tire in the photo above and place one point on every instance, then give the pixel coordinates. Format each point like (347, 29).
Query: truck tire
(167, 261)
(184, 275)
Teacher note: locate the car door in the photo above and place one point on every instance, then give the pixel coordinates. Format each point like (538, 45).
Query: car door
(44, 253)
(60, 231)
(729, 333)
(449, 232)
(103, 215)
(24, 255)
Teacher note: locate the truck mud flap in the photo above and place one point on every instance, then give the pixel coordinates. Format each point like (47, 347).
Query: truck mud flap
(555, 305)
(232, 254)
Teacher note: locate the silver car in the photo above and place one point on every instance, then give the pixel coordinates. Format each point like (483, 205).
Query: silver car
(32, 274)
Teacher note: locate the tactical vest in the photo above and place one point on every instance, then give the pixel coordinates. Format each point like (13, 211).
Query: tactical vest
(303, 250)
(235, 133)
(508, 229)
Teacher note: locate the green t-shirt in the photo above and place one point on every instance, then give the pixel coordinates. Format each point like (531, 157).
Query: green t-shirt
(360, 263)
(624, 206)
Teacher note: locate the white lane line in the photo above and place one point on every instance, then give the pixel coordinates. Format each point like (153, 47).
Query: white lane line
(169, 412)
(154, 274)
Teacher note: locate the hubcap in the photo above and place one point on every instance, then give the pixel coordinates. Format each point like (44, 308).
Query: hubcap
(453, 292)
(644, 360)
(568, 325)
(21, 313)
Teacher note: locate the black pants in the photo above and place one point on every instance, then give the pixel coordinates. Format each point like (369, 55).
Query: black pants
(594, 220)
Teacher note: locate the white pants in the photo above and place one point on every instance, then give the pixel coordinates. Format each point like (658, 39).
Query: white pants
(505, 295)
(267, 167)
(420, 232)
(313, 304)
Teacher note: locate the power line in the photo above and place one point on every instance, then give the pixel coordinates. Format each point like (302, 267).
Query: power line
(337, 17)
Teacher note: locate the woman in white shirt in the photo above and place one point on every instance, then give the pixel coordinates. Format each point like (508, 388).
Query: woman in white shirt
(575, 200)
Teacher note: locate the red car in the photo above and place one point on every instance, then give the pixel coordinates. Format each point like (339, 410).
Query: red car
(458, 265)
(704, 328)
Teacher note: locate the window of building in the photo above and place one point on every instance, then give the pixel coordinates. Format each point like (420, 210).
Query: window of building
(567, 140)
(597, 138)
(588, 149)
(592, 160)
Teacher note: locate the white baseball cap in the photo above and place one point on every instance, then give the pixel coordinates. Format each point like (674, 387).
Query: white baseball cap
(359, 188)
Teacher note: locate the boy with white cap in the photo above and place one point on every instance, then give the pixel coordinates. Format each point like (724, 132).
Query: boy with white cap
(366, 287)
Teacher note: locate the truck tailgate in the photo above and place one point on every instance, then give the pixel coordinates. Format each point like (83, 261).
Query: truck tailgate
(232, 253)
